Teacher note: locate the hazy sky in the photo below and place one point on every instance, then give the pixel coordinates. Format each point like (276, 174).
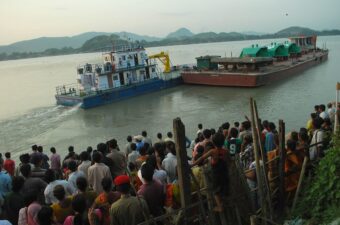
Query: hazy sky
(27, 19)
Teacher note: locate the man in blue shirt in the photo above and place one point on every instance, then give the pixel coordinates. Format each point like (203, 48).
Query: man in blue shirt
(5, 183)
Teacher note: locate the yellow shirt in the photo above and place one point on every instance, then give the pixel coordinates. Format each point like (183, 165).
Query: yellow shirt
(60, 213)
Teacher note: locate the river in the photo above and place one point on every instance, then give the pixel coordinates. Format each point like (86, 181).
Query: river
(29, 115)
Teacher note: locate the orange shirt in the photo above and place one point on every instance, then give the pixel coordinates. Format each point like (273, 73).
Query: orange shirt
(292, 170)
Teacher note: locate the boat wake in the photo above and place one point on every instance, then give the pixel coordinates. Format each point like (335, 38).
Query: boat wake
(20, 133)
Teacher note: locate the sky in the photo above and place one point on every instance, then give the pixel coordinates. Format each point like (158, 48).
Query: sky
(28, 19)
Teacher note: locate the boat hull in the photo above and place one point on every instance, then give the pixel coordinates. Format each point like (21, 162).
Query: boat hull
(117, 94)
(225, 78)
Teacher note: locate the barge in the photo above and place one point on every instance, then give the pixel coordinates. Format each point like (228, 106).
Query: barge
(257, 66)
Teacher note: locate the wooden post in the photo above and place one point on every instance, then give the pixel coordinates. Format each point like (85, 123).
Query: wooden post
(336, 123)
(264, 160)
(302, 174)
(253, 220)
(210, 198)
(182, 163)
(257, 159)
(282, 149)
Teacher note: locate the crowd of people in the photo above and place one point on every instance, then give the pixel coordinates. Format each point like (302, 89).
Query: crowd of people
(126, 185)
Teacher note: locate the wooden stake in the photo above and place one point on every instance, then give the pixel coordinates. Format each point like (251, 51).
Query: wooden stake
(182, 163)
(302, 174)
(264, 160)
(257, 159)
(282, 160)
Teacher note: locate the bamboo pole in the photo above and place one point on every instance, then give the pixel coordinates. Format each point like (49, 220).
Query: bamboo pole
(182, 164)
(252, 220)
(282, 153)
(257, 159)
(302, 174)
(210, 198)
(264, 160)
(336, 123)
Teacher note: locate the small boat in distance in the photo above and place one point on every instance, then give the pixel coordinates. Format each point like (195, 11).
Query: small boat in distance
(256, 65)
(126, 71)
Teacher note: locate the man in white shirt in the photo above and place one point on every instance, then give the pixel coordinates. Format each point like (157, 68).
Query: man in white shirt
(323, 113)
(51, 179)
(169, 164)
(73, 176)
(97, 172)
(317, 139)
(85, 163)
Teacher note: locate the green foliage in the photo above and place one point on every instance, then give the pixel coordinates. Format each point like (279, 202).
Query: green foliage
(320, 202)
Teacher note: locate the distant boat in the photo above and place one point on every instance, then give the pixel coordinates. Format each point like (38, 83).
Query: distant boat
(126, 72)
(257, 65)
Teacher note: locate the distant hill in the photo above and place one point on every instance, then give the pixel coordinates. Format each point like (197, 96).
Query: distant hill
(43, 43)
(136, 37)
(94, 41)
(180, 33)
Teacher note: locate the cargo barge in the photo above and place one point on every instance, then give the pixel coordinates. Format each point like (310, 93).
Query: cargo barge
(257, 66)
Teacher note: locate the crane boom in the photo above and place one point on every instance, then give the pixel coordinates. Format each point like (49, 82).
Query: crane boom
(165, 60)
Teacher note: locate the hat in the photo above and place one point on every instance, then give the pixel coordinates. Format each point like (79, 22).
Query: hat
(121, 179)
(138, 137)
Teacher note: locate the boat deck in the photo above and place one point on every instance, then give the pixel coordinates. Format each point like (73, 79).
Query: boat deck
(276, 66)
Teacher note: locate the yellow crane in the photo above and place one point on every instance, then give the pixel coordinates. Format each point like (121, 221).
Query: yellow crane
(164, 58)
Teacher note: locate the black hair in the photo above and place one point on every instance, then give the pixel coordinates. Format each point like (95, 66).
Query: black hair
(143, 150)
(133, 146)
(97, 157)
(144, 134)
(79, 205)
(151, 160)
(72, 165)
(102, 147)
(233, 132)
(34, 147)
(236, 124)
(50, 176)
(291, 144)
(316, 107)
(81, 183)
(123, 188)
(59, 192)
(113, 143)
(106, 184)
(317, 122)
(24, 158)
(213, 131)
(304, 136)
(327, 121)
(71, 149)
(52, 149)
(313, 115)
(225, 126)
(207, 133)
(89, 149)
(218, 140)
(159, 135)
(45, 215)
(25, 170)
(147, 172)
(129, 138)
(322, 107)
(294, 136)
(8, 155)
(171, 147)
(248, 138)
(246, 125)
(17, 183)
(265, 123)
(84, 156)
(200, 126)
(169, 134)
(272, 126)
(40, 149)
(329, 105)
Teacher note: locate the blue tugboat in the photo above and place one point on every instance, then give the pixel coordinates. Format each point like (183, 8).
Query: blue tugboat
(126, 72)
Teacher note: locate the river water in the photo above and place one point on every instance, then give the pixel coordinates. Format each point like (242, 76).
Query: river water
(29, 115)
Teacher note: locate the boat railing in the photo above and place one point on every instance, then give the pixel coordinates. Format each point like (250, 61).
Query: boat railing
(68, 89)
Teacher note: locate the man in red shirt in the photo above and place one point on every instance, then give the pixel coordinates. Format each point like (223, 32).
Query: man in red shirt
(9, 164)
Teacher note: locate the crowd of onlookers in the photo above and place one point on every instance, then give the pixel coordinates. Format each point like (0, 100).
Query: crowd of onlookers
(111, 184)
